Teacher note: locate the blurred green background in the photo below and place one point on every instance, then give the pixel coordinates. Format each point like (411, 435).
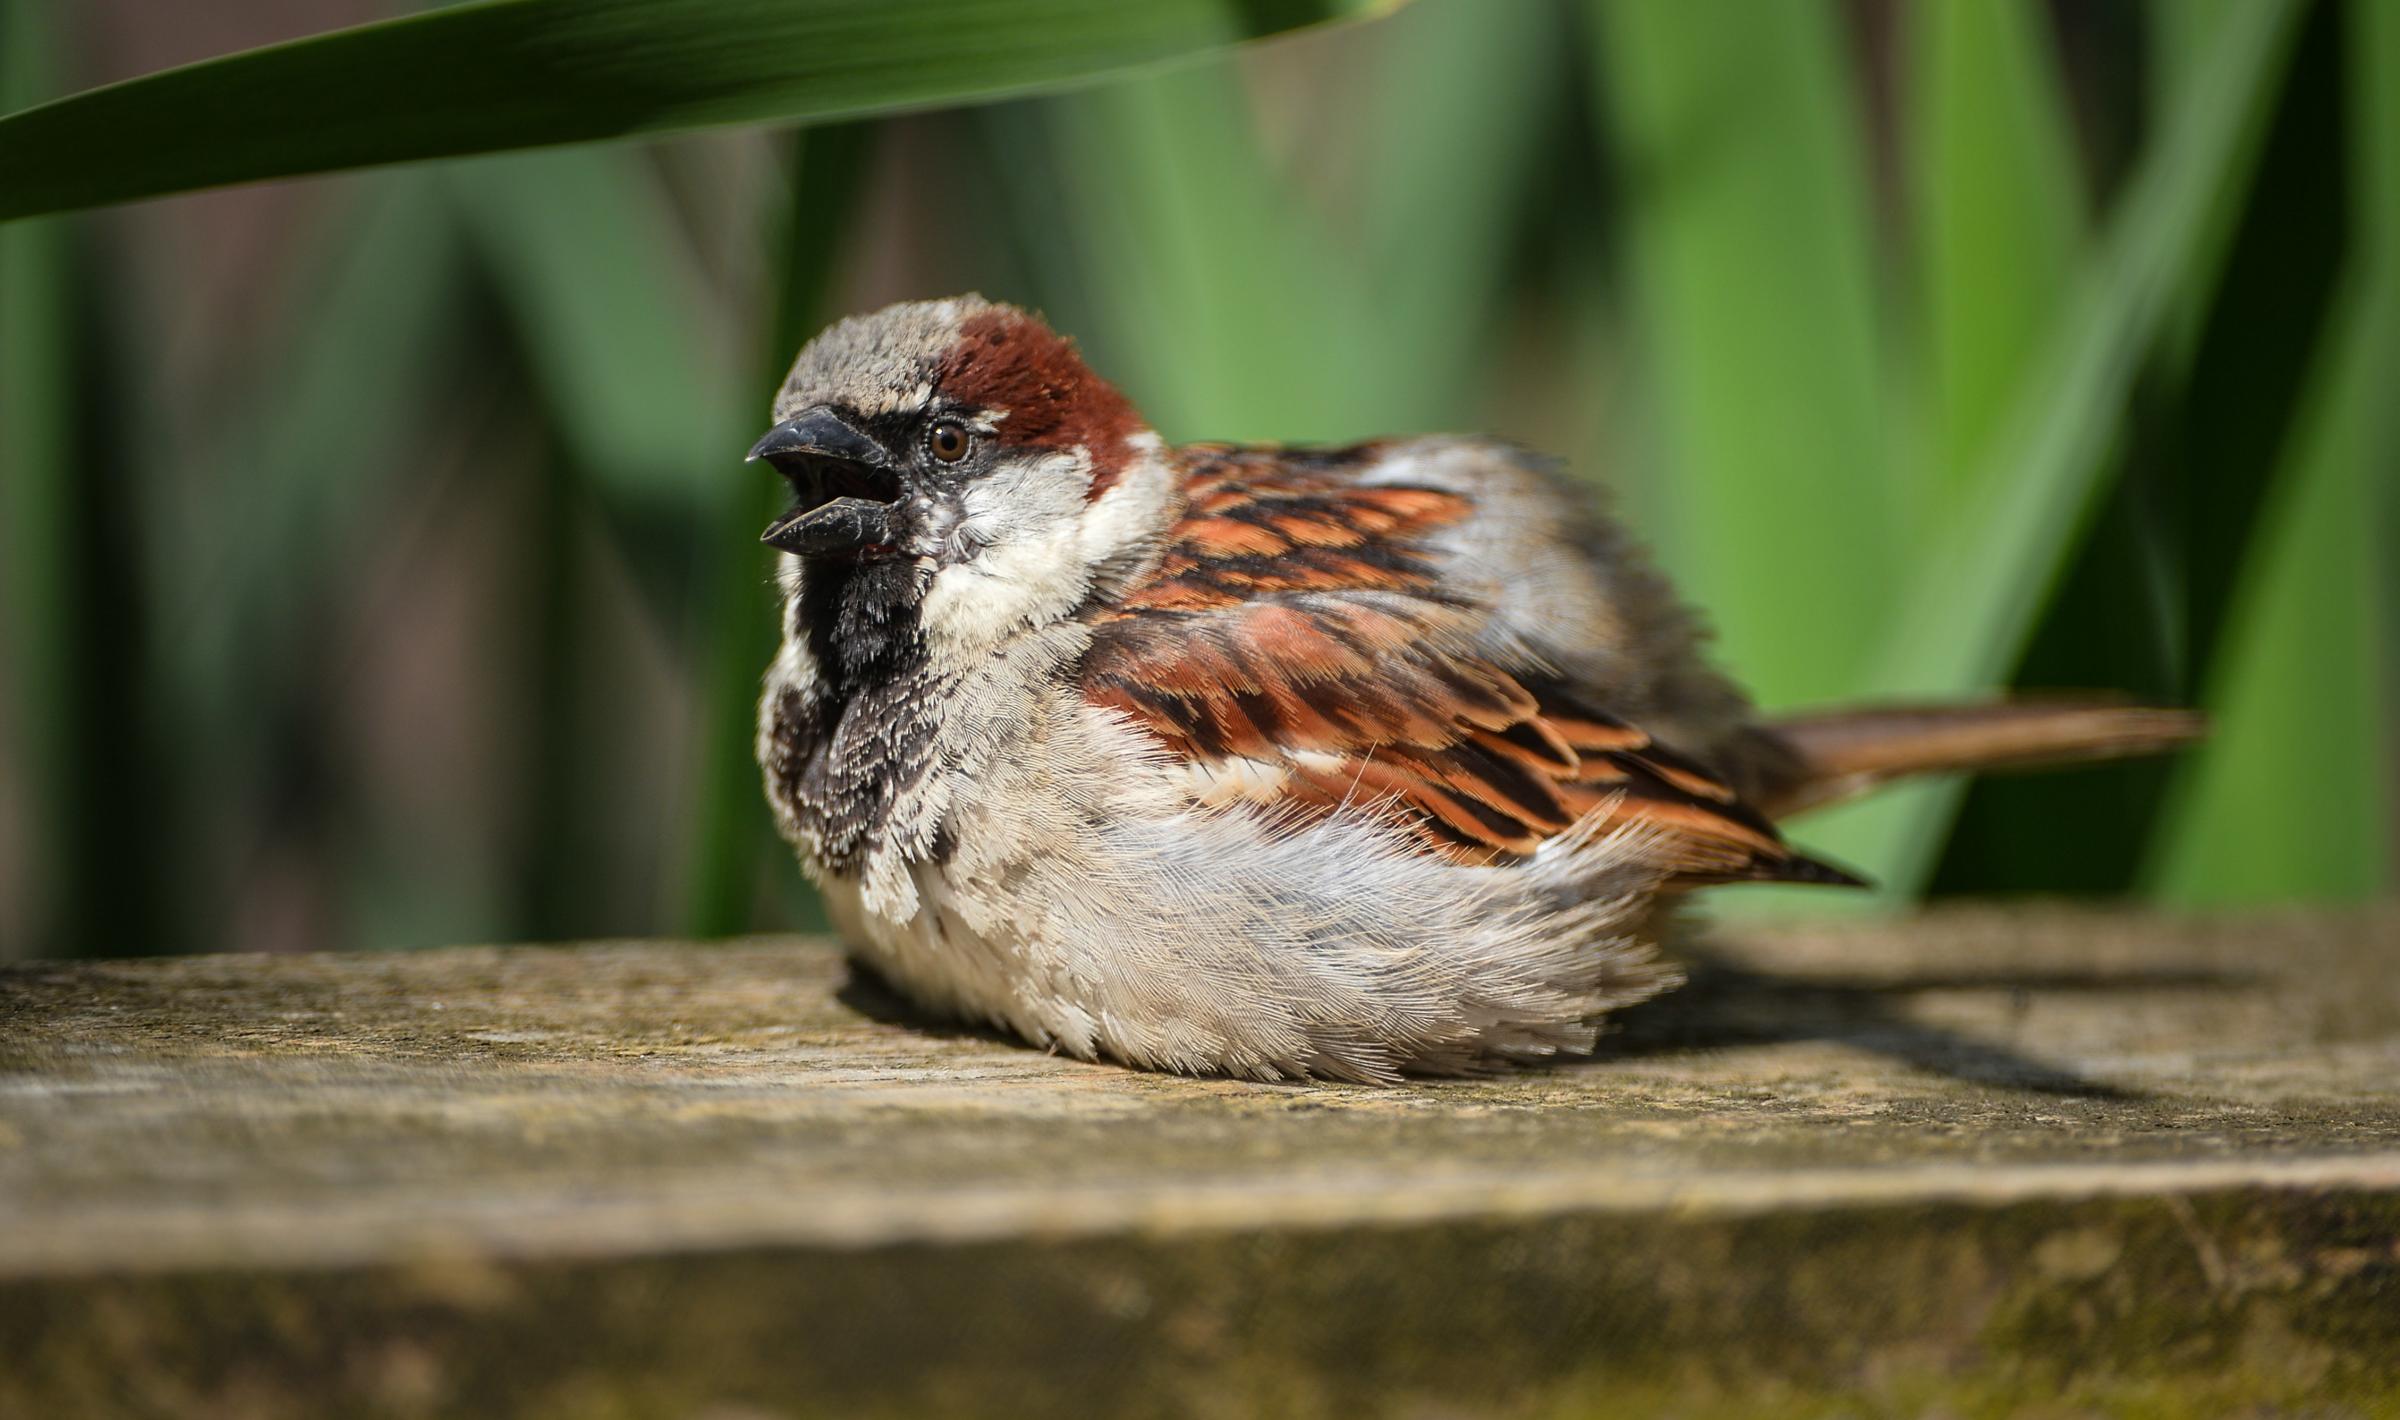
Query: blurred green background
(380, 566)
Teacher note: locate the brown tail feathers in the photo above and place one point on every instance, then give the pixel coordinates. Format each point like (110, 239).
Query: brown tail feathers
(1844, 753)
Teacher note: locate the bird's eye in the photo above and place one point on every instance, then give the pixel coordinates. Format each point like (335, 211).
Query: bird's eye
(948, 440)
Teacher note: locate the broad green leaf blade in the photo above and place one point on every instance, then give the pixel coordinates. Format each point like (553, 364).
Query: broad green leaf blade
(2375, 89)
(1167, 245)
(2373, 37)
(1771, 495)
(2295, 796)
(1999, 209)
(2290, 800)
(527, 73)
(1973, 595)
(1466, 93)
(2182, 34)
(2141, 605)
(1228, 292)
(581, 247)
(1232, 305)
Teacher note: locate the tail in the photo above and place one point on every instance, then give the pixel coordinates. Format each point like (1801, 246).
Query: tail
(1840, 754)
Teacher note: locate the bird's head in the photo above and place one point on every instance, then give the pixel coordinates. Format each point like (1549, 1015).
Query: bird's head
(962, 450)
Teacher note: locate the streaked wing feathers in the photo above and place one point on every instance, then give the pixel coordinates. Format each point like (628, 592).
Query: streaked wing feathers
(1296, 646)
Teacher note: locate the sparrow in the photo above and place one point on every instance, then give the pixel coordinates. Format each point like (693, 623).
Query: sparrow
(1274, 762)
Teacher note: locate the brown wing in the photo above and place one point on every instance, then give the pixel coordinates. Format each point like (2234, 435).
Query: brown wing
(1296, 647)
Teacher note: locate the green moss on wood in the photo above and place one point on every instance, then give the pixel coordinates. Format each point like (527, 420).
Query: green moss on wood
(1987, 1164)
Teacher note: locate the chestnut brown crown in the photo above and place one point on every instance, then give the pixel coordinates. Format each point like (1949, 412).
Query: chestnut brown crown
(884, 417)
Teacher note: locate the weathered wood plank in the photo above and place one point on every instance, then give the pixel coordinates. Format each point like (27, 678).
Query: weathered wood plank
(1951, 1161)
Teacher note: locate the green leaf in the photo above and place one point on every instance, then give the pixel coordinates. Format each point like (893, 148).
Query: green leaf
(2293, 798)
(1466, 94)
(103, 807)
(1184, 265)
(1770, 493)
(583, 250)
(732, 833)
(2375, 90)
(2141, 605)
(2181, 34)
(604, 299)
(1999, 209)
(290, 493)
(37, 516)
(527, 73)
(1231, 305)
(2372, 37)
(647, 432)
(311, 444)
(1973, 595)
(2289, 801)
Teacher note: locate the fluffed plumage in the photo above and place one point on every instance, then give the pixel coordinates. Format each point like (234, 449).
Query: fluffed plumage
(1283, 763)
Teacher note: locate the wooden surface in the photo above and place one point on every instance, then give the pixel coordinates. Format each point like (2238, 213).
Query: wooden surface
(675, 1176)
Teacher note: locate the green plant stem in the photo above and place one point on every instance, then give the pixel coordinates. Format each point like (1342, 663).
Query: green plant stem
(37, 514)
(731, 834)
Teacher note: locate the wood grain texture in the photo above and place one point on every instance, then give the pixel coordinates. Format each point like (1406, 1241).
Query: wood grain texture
(1977, 1161)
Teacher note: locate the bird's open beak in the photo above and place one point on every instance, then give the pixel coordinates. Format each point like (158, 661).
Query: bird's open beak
(844, 487)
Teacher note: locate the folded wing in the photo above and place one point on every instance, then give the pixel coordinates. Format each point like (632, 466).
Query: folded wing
(1296, 649)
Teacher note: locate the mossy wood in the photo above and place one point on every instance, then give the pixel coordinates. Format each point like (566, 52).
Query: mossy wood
(1969, 1162)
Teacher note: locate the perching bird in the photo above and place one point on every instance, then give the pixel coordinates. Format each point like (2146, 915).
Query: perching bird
(1351, 763)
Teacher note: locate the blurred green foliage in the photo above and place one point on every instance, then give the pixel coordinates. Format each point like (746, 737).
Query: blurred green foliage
(381, 568)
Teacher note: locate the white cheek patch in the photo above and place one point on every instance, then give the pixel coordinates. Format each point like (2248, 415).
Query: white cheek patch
(1029, 540)
(1019, 536)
